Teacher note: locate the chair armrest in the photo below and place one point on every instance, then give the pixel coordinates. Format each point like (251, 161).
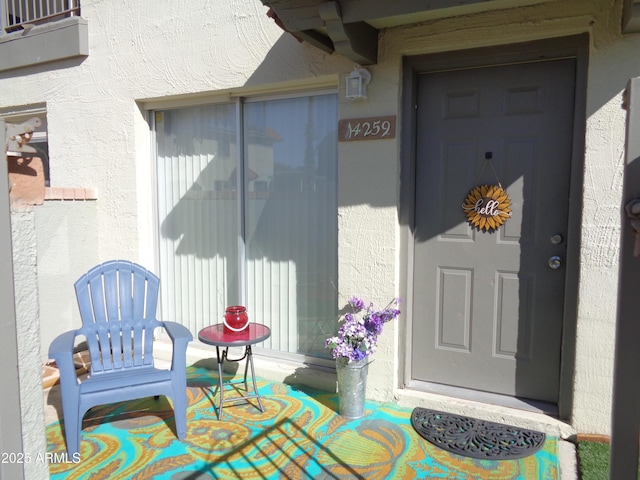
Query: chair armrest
(62, 345)
(177, 332)
(61, 350)
(180, 337)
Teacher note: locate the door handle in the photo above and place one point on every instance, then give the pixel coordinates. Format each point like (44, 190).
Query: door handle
(555, 262)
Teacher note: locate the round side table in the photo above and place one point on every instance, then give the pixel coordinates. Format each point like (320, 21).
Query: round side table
(216, 336)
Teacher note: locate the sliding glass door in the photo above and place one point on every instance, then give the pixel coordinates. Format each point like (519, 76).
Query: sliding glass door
(248, 215)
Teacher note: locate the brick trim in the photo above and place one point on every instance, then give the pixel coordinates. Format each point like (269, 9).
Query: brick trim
(66, 193)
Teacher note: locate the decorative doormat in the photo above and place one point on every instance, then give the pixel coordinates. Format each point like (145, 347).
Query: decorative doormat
(475, 438)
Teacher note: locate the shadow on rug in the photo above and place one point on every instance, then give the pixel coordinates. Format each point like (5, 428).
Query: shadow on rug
(300, 436)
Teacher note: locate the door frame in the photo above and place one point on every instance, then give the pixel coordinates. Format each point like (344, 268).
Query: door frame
(576, 47)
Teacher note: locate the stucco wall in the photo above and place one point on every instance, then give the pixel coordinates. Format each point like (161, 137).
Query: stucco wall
(159, 53)
(67, 246)
(28, 334)
(605, 138)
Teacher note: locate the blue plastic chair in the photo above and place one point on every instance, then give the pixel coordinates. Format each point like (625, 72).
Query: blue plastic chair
(117, 302)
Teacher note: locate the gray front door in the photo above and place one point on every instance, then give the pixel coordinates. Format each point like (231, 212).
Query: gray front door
(488, 307)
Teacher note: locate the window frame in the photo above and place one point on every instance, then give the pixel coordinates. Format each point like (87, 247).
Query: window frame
(156, 106)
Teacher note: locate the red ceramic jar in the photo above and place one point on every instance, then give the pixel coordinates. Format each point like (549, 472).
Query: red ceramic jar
(236, 320)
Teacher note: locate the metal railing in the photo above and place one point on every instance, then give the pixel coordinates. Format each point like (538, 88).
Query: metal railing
(19, 14)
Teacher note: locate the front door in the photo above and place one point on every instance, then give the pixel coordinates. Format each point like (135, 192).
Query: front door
(488, 306)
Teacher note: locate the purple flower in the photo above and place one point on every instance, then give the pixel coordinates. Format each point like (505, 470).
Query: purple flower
(357, 336)
(374, 323)
(356, 303)
(358, 355)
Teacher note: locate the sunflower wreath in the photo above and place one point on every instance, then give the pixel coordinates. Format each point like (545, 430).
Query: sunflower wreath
(487, 207)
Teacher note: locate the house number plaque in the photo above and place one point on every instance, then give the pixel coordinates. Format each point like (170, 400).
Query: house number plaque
(370, 128)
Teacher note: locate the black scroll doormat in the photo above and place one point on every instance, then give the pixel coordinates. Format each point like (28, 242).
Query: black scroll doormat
(475, 438)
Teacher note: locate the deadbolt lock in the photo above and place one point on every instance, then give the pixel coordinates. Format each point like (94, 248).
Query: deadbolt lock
(556, 239)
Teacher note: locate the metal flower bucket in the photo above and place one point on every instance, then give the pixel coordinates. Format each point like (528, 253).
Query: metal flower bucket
(352, 385)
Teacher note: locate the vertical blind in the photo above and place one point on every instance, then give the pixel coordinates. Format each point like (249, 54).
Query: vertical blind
(197, 209)
(285, 200)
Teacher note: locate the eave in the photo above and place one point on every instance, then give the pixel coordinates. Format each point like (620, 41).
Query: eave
(350, 27)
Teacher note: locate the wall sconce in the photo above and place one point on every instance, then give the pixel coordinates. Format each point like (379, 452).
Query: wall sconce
(357, 82)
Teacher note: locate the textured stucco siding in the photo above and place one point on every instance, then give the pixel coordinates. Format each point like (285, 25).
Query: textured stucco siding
(67, 245)
(28, 340)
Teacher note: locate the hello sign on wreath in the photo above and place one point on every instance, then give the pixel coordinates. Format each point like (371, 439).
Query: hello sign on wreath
(487, 207)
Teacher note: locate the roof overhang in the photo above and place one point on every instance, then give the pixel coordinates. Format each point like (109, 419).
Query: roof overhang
(350, 27)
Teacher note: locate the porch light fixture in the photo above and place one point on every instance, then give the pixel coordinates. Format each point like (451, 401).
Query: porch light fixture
(357, 82)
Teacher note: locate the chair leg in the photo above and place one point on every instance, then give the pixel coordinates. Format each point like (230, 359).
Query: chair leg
(179, 399)
(72, 419)
(72, 437)
(180, 413)
(73, 444)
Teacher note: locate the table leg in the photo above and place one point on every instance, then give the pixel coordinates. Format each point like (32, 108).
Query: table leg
(220, 379)
(248, 354)
(253, 377)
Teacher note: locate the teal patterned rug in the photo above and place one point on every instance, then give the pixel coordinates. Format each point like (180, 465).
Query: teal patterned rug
(300, 436)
